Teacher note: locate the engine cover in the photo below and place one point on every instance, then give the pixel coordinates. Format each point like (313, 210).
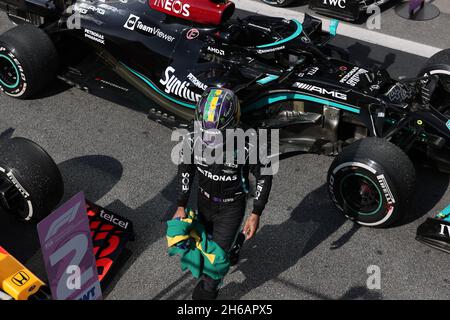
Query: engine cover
(199, 11)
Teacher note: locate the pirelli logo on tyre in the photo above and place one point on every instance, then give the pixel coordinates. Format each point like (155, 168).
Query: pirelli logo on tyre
(386, 189)
(20, 278)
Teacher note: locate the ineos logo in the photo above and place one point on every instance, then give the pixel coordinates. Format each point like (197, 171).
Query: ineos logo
(336, 3)
(175, 6)
(20, 278)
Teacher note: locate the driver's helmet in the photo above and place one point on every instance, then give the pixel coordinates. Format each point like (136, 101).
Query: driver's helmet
(218, 109)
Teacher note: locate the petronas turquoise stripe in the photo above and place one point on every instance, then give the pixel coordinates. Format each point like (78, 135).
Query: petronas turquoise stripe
(278, 97)
(293, 36)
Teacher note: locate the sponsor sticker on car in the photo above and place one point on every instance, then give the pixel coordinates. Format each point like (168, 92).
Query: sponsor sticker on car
(94, 36)
(134, 23)
(173, 85)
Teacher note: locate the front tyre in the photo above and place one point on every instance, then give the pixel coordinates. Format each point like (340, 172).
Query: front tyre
(31, 185)
(372, 182)
(28, 61)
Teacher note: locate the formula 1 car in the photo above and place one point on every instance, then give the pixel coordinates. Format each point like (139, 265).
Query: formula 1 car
(163, 54)
(349, 10)
(435, 231)
(19, 283)
(31, 187)
(279, 3)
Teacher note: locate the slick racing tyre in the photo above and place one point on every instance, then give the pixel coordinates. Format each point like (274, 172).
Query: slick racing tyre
(439, 65)
(279, 3)
(372, 182)
(31, 185)
(28, 61)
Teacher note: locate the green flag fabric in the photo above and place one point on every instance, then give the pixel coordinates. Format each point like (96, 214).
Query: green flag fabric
(188, 238)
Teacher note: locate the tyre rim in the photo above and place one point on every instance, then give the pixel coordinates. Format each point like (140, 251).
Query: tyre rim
(362, 195)
(11, 199)
(9, 74)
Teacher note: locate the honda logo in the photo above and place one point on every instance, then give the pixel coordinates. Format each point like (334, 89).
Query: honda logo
(20, 278)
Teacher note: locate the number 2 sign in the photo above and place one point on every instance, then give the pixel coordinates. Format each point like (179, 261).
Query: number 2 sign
(67, 249)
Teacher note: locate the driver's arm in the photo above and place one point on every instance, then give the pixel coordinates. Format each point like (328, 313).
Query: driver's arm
(263, 187)
(185, 178)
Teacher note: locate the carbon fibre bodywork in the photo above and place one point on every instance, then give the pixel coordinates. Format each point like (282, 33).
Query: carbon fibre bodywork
(284, 72)
(349, 10)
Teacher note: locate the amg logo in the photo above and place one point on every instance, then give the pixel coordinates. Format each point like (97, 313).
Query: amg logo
(387, 191)
(178, 87)
(336, 3)
(445, 227)
(84, 8)
(175, 6)
(322, 91)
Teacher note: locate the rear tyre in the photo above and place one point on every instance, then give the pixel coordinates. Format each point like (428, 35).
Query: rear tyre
(439, 64)
(31, 185)
(372, 182)
(28, 61)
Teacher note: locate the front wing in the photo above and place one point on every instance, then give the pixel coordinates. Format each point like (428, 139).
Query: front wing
(110, 234)
(435, 232)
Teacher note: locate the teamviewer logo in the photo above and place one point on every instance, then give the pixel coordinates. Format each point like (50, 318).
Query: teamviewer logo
(131, 22)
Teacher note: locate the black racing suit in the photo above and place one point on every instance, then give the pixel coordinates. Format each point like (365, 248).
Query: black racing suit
(222, 191)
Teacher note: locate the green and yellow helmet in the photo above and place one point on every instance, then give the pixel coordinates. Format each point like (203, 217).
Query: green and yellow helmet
(218, 109)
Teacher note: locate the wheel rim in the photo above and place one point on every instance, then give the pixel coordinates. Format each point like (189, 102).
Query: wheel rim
(362, 195)
(9, 74)
(10, 198)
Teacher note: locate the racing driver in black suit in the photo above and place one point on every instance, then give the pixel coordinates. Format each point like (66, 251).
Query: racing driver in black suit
(222, 186)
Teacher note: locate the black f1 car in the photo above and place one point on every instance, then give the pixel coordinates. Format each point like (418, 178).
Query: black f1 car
(31, 187)
(163, 54)
(349, 10)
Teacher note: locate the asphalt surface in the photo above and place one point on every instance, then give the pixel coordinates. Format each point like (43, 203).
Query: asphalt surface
(304, 248)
